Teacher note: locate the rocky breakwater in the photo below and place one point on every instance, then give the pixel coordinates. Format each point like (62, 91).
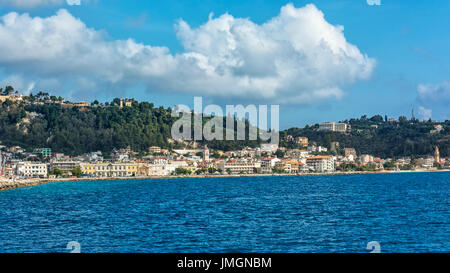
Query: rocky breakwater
(12, 184)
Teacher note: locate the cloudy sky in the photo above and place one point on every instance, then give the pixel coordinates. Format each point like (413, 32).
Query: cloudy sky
(319, 60)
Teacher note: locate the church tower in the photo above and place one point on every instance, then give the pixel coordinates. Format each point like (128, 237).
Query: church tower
(437, 157)
(205, 153)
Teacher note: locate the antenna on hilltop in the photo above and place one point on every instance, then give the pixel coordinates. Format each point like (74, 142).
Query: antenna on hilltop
(412, 114)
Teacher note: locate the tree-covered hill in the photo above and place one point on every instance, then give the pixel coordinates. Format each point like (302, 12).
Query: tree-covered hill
(74, 130)
(380, 137)
(41, 121)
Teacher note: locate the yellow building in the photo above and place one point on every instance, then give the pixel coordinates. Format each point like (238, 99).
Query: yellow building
(88, 169)
(190, 168)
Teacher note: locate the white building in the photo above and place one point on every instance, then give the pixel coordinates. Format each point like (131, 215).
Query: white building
(334, 126)
(64, 165)
(366, 159)
(112, 169)
(317, 149)
(31, 169)
(322, 163)
(241, 166)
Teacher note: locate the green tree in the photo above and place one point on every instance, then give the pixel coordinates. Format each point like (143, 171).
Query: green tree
(77, 172)
(279, 153)
(181, 171)
(57, 172)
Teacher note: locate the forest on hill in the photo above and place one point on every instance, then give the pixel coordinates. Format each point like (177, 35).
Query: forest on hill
(41, 121)
(379, 137)
(99, 127)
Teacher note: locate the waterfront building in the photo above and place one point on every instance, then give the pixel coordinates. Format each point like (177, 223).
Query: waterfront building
(287, 165)
(403, 162)
(189, 168)
(366, 159)
(157, 170)
(64, 165)
(426, 163)
(240, 166)
(31, 169)
(321, 163)
(104, 169)
(88, 169)
(267, 164)
(270, 161)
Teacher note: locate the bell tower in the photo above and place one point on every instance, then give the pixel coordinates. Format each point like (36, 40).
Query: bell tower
(437, 157)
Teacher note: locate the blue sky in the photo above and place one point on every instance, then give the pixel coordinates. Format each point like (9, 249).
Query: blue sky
(406, 44)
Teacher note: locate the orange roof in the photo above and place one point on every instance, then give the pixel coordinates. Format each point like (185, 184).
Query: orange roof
(320, 157)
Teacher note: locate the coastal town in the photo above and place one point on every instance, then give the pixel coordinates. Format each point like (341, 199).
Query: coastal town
(306, 157)
(16, 163)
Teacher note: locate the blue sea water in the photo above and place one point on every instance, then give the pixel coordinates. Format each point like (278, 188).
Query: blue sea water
(403, 212)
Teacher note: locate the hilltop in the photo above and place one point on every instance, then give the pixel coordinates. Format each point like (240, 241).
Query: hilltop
(42, 120)
(381, 137)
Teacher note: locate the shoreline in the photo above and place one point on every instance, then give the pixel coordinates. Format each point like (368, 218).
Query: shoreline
(10, 184)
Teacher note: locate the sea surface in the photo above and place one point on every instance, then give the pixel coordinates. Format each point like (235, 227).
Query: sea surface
(341, 213)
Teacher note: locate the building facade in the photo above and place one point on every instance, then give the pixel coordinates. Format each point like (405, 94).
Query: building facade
(302, 141)
(31, 169)
(237, 167)
(109, 169)
(334, 127)
(321, 163)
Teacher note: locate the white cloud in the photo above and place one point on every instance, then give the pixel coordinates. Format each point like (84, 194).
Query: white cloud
(73, 2)
(18, 83)
(425, 113)
(435, 97)
(434, 93)
(296, 57)
(30, 3)
(374, 2)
